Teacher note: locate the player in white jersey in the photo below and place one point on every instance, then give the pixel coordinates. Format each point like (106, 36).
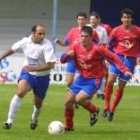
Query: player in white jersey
(136, 77)
(39, 60)
(94, 20)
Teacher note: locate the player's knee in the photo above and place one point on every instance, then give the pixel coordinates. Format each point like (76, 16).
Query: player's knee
(68, 104)
(110, 82)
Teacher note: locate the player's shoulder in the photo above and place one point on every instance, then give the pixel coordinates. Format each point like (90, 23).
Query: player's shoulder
(74, 29)
(24, 40)
(135, 27)
(117, 28)
(101, 27)
(46, 42)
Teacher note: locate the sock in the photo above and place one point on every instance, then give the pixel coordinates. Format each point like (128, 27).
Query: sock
(90, 107)
(108, 93)
(69, 114)
(117, 98)
(14, 106)
(35, 113)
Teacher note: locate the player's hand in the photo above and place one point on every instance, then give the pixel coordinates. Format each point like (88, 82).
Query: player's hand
(56, 40)
(70, 53)
(29, 68)
(128, 73)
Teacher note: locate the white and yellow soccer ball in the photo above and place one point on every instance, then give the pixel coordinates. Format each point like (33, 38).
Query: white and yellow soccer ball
(56, 127)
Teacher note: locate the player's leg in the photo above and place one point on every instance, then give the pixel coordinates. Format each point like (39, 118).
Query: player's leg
(69, 111)
(112, 75)
(23, 88)
(71, 75)
(88, 88)
(83, 100)
(108, 93)
(40, 89)
(36, 112)
(123, 79)
(69, 79)
(117, 97)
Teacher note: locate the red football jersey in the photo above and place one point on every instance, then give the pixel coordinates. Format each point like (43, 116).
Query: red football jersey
(90, 62)
(125, 42)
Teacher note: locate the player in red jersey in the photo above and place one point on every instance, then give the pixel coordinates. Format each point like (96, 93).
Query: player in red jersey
(73, 36)
(108, 29)
(89, 60)
(124, 41)
(94, 20)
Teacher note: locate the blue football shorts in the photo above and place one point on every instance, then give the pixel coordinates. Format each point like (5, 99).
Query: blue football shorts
(39, 84)
(129, 62)
(88, 85)
(71, 69)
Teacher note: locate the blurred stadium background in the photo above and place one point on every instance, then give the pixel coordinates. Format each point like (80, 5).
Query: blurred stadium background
(18, 16)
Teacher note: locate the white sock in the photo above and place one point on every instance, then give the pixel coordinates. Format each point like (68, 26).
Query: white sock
(14, 106)
(35, 114)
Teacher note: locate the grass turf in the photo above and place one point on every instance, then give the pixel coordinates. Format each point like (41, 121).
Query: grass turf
(126, 124)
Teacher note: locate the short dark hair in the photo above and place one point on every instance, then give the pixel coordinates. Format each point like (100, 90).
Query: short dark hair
(127, 11)
(93, 13)
(35, 27)
(82, 14)
(87, 29)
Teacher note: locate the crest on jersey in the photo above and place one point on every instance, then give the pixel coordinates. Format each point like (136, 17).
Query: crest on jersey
(89, 57)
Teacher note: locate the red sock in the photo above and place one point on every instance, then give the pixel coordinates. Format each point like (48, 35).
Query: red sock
(117, 98)
(69, 114)
(90, 107)
(108, 93)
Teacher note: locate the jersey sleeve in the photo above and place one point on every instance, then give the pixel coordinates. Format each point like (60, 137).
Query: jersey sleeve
(17, 47)
(113, 58)
(111, 40)
(66, 58)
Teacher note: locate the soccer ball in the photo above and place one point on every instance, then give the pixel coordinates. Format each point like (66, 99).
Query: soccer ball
(56, 127)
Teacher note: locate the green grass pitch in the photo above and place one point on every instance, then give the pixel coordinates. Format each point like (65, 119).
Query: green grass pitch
(126, 124)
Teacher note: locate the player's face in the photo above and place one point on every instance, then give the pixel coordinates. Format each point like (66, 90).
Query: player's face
(81, 21)
(39, 34)
(86, 39)
(93, 21)
(126, 19)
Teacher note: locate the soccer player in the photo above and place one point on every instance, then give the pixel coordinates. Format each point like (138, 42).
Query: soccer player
(107, 27)
(39, 60)
(71, 38)
(124, 41)
(89, 60)
(94, 20)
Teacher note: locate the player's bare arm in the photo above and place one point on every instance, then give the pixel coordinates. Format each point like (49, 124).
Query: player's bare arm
(61, 43)
(6, 53)
(70, 53)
